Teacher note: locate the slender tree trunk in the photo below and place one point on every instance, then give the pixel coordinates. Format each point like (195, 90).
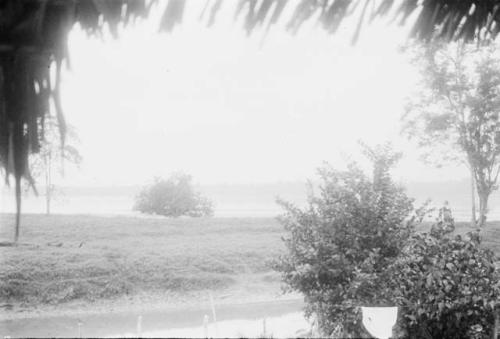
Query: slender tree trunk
(18, 207)
(48, 184)
(47, 200)
(473, 195)
(483, 207)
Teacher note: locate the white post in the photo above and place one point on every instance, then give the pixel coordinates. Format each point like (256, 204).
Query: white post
(264, 332)
(79, 329)
(205, 326)
(213, 312)
(139, 326)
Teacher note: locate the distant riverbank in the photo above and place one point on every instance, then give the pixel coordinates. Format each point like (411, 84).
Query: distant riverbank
(240, 201)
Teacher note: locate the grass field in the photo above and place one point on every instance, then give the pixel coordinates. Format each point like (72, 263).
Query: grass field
(66, 258)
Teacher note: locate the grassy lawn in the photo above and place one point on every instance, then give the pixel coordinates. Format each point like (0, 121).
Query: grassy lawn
(64, 258)
(61, 258)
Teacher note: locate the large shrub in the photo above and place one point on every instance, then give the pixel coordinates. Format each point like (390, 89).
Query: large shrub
(339, 247)
(445, 287)
(173, 197)
(355, 245)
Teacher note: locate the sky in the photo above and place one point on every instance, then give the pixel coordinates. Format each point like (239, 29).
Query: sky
(228, 108)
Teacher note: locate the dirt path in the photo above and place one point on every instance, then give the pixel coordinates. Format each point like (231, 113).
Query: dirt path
(105, 324)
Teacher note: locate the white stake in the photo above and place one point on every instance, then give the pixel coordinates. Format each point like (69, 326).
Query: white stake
(205, 325)
(139, 326)
(79, 329)
(264, 327)
(213, 312)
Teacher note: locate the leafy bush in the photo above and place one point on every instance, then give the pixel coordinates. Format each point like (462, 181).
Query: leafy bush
(173, 197)
(446, 288)
(339, 247)
(355, 245)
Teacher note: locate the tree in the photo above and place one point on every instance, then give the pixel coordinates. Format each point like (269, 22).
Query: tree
(340, 245)
(173, 197)
(457, 113)
(52, 155)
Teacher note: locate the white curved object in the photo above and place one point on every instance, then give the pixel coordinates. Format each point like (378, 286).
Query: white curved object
(379, 321)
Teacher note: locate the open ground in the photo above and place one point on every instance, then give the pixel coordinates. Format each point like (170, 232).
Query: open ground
(81, 263)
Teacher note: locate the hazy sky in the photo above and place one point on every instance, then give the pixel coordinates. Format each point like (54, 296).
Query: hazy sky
(230, 108)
